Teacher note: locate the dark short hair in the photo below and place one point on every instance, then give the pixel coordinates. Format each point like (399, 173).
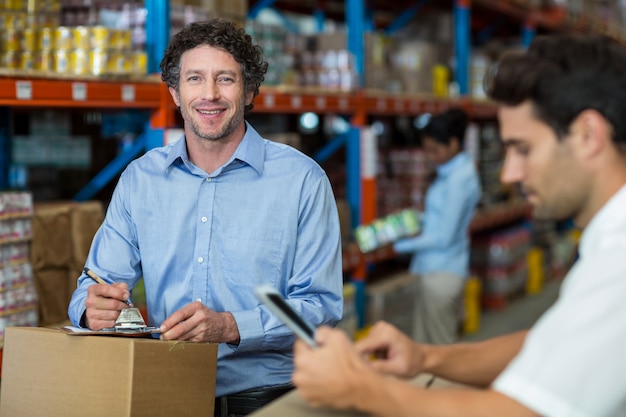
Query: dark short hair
(444, 126)
(562, 75)
(218, 33)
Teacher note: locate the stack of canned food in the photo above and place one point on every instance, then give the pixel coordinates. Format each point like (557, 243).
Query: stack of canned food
(33, 40)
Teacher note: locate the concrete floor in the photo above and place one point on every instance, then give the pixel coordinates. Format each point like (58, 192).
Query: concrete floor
(520, 314)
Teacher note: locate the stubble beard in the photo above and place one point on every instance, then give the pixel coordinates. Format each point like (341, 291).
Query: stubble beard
(231, 125)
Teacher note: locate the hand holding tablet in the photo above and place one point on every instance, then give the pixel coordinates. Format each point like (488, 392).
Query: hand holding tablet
(275, 302)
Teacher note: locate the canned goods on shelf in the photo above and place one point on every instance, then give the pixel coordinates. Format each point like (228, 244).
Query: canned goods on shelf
(139, 62)
(9, 59)
(98, 61)
(43, 20)
(26, 60)
(62, 38)
(81, 37)
(78, 62)
(45, 38)
(100, 37)
(119, 63)
(60, 61)
(29, 39)
(120, 39)
(11, 19)
(12, 4)
(10, 40)
(43, 61)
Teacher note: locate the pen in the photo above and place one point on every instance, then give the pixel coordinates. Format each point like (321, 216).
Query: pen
(99, 280)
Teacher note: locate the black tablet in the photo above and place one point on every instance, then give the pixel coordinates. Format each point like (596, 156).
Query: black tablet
(272, 298)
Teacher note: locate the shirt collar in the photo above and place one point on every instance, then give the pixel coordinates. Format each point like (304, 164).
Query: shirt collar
(444, 169)
(251, 151)
(604, 223)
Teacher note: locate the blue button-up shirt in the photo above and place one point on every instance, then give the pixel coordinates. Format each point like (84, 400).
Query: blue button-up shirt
(444, 244)
(267, 216)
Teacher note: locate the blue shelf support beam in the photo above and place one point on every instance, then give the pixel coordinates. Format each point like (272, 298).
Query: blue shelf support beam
(462, 44)
(260, 5)
(320, 18)
(355, 19)
(157, 32)
(112, 169)
(330, 148)
(528, 34)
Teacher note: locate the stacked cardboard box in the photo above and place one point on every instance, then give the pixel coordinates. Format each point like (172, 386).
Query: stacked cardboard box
(62, 234)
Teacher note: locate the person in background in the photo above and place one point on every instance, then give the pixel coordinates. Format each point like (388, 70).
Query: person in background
(561, 112)
(440, 253)
(206, 219)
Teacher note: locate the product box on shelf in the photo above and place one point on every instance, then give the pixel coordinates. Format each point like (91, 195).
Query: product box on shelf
(46, 372)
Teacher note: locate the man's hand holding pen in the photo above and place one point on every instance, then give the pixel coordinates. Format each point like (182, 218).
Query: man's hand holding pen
(104, 302)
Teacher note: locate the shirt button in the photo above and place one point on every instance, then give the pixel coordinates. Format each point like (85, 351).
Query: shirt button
(200, 260)
(208, 179)
(204, 219)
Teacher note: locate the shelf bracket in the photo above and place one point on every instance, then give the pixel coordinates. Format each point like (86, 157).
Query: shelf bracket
(112, 169)
(405, 17)
(330, 148)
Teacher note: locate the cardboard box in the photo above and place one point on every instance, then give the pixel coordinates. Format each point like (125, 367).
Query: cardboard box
(53, 291)
(51, 246)
(46, 372)
(85, 221)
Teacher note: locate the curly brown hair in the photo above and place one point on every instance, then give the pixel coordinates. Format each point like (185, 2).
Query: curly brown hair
(218, 33)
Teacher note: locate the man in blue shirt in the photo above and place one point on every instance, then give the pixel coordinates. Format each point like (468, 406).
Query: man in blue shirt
(441, 252)
(208, 218)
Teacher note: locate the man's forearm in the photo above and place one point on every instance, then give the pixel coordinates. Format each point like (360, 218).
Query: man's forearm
(396, 398)
(477, 363)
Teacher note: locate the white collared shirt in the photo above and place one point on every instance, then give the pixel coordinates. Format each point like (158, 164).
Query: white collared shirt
(573, 362)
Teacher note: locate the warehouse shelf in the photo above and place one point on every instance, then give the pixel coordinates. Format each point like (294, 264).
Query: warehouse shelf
(369, 102)
(297, 100)
(28, 90)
